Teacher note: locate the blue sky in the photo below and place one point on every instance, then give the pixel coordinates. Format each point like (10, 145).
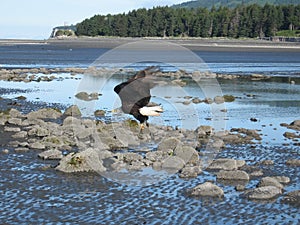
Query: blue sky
(34, 19)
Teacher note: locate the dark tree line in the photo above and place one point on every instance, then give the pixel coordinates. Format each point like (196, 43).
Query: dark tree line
(241, 21)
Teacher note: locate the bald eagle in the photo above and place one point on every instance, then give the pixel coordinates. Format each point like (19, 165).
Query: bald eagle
(135, 95)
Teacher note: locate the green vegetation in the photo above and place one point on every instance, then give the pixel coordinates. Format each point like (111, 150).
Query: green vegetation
(242, 21)
(64, 33)
(288, 33)
(233, 3)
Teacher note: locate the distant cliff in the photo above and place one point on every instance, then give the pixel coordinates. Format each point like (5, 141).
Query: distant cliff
(63, 31)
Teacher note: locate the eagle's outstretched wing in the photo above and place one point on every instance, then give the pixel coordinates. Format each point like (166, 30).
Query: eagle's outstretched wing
(135, 92)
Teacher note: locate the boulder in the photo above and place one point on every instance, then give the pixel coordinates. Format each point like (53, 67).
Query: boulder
(282, 179)
(20, 135)
(126, 137)
(130, 157)
(85, 161)
(168, 143)
(37, 145)
(263, 193)
(99, 113)
(51, 154)
(72, 111)
(15, 121)
(232, 175)
(219, 99)
(14, 113)
(83, 96)
(46, 113)
(292, 198)
(290, 135)
(38, 131)
(190, 171)
(269, 181)
(155, 156)
(293, 162)
(207, 189)
(223, 164)
(187, 153)
(172, 164)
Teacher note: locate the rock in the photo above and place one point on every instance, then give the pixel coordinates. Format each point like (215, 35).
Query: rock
(46, 113)
(21, 149)
(155, 156)
(190, 172)
(179, 82)
(168, 143)
(37, 145)
(229, 98)
(282, 179)
(223, 164)
(15, 121)
(12, 129)
(219, 100)
(269, 181)
(253, 119)
(293, 162)
(187, 153)
(126, 137)
(267, 162)
(20, 135)
(290, 135)
(196, 100)
(173, 164)
(38, 131)
(232, 175)
(99, 113)
(240, 187)
(85, 161)
(83, 96)
(13, 113)
(292, 198)
(203, 131)
(72, 111)
(131, 157)
(207, 189)
(5, 151)
(295, 123)
(186, 102)
(263, 193)
(258, 76)
(208, 100)
(216, 144)
(51, 154)
(226, 164)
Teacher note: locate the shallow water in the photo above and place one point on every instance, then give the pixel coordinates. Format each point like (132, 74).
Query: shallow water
(32, 192)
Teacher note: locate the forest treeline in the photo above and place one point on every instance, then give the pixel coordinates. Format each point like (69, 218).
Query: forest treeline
(242, 21)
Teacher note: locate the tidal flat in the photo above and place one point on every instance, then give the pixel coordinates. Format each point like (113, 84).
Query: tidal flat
(158, 176)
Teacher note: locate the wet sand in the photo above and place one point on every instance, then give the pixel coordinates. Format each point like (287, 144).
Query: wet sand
(197, 44)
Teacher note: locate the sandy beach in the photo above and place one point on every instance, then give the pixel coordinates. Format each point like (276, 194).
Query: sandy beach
(204, 44)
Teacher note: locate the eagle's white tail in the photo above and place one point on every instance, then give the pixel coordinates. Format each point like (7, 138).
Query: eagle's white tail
(151, 110)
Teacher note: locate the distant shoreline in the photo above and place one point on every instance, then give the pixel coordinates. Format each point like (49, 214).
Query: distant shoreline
(205, 44)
